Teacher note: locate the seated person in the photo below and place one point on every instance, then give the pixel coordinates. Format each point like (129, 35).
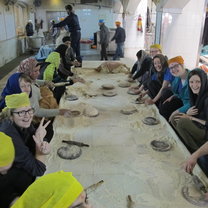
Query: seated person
(176, 98)
(160, 80)
(14, 180)
(155, 49)
(67, 58)
(191, 162)
(141, 68)
(31, 68)
(6, 154)
(30, 147)
(192, 126)
(59, 189)
(13, 86)
(50, 71)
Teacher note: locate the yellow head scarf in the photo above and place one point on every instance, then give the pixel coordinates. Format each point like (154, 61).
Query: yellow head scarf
(58, 190)
(17, 100)
(6, 150)
(54, 58)
(158, 46)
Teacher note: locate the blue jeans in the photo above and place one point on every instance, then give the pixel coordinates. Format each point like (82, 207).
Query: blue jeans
(119, 51)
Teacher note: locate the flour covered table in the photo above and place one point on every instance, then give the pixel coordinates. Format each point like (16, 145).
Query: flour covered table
(119, 151)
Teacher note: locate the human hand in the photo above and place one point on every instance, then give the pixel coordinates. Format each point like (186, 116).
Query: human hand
(76, 63)
(39, 136)
(181, 115)
(40, 132)
(50, 84)
(175, 114)
(168, 99)
(189, 165)
(45, 148)
(192, 111)
(78, 79)
(149, 101)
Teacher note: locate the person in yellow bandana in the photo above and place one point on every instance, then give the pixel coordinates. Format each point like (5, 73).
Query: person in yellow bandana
(30, 148)
(155, 49)
(6, 153)
(60, 190)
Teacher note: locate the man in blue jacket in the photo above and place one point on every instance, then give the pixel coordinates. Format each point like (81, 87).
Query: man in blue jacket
(119, 37)
(72, 22)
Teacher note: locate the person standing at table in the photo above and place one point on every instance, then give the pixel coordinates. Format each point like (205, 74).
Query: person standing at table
(72, 22)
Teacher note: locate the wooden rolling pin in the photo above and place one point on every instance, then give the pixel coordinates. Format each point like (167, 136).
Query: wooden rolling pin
(59, 84)
(79, 144)
(93, 187)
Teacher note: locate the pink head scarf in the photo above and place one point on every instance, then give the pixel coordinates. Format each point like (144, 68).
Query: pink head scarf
(27, 66)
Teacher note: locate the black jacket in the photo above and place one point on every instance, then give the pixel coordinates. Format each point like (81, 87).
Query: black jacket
(120, 35)
(71, 21)
(24, 148)
(146, 66)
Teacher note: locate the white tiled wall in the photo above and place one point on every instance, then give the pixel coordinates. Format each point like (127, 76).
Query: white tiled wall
(181, 31)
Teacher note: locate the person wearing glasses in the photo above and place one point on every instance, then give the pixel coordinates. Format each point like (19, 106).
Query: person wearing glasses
(30, 147)
(155, 49)
(176, 98)
(192, 125)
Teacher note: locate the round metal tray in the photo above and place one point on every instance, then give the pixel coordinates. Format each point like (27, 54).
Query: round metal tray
(71, 97)
(160, 146)
(70, 152)
(150, 121)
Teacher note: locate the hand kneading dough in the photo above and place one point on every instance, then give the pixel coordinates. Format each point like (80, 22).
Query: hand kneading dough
(90, 111)
(129, 110)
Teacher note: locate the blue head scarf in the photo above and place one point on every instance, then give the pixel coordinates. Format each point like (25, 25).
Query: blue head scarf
(12, 87)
